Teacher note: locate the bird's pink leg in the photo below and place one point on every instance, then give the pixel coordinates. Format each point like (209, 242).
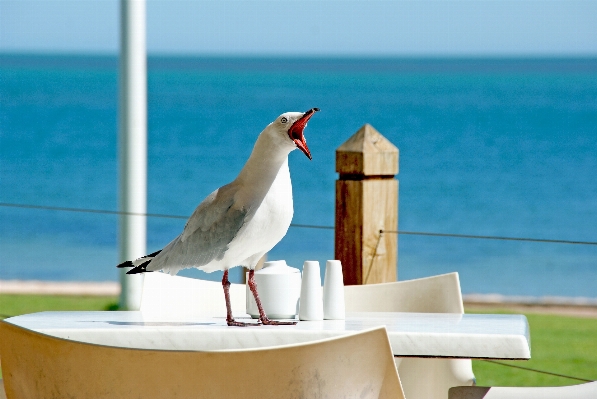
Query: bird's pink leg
(229, 319)
(262, 315)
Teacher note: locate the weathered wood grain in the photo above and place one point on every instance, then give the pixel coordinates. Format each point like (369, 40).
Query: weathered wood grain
(367, 203)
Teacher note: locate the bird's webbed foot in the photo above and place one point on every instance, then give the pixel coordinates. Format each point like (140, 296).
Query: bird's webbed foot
(234, 323)
(268, 322)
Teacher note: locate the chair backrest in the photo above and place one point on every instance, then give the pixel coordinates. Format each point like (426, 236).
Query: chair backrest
(437, 294)
(167, 294)
(35, 365)
(421, 378)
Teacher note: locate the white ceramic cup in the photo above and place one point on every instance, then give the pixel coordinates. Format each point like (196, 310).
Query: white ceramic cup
(333, 291)
(311, 302)
(279, 287)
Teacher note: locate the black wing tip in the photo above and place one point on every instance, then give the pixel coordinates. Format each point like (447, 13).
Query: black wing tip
(135, 271)
(142, 268)
(127, 263)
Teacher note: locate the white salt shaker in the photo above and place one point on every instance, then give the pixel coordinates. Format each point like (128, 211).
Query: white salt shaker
(333, 291)
(311, 303)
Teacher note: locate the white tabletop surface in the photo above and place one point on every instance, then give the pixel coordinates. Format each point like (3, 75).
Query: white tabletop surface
(411, 334)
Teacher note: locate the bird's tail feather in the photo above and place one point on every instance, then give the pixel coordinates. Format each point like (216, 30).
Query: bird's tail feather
(139, 265)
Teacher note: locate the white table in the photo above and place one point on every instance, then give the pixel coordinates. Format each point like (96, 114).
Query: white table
(411, 334)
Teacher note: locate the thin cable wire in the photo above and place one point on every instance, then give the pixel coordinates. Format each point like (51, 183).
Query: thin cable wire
(373, 257)
(419, 233)
(308, 226)
(107, 212)
(312, 226)
(537, 371)
(84, 210)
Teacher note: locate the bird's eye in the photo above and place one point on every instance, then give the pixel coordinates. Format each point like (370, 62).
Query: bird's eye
(283, 120)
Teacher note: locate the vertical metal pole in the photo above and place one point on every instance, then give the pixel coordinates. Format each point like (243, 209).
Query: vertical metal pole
(132, 145)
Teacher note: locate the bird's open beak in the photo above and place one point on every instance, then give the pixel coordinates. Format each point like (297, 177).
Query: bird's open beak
(296, 131)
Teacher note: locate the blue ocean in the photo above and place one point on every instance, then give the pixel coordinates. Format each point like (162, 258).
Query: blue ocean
(495, 147)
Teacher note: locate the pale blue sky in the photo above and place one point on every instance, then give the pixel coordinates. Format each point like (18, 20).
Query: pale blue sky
(399, 28)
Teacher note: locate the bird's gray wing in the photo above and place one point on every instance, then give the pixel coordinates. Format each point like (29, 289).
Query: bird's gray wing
(207, 233)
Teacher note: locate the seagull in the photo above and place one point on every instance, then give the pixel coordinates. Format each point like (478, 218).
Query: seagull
(240, 222)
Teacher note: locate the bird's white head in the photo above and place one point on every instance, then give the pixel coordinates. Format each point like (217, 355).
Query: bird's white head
(290, 127)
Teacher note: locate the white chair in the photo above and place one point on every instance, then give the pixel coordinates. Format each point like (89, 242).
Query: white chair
(421, 378)
(166, 294)
(581, 391)
(36, 366)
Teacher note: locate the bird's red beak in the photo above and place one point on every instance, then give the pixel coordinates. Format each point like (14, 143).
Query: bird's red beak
(296, 131)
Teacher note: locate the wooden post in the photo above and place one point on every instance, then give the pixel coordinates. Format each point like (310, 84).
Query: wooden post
(367, 202)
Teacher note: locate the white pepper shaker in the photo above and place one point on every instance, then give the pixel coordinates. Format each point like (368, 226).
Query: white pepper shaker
(311, 302)
(333, 291)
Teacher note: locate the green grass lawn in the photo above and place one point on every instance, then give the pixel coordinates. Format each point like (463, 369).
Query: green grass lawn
(13, 305)
(559, 344)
